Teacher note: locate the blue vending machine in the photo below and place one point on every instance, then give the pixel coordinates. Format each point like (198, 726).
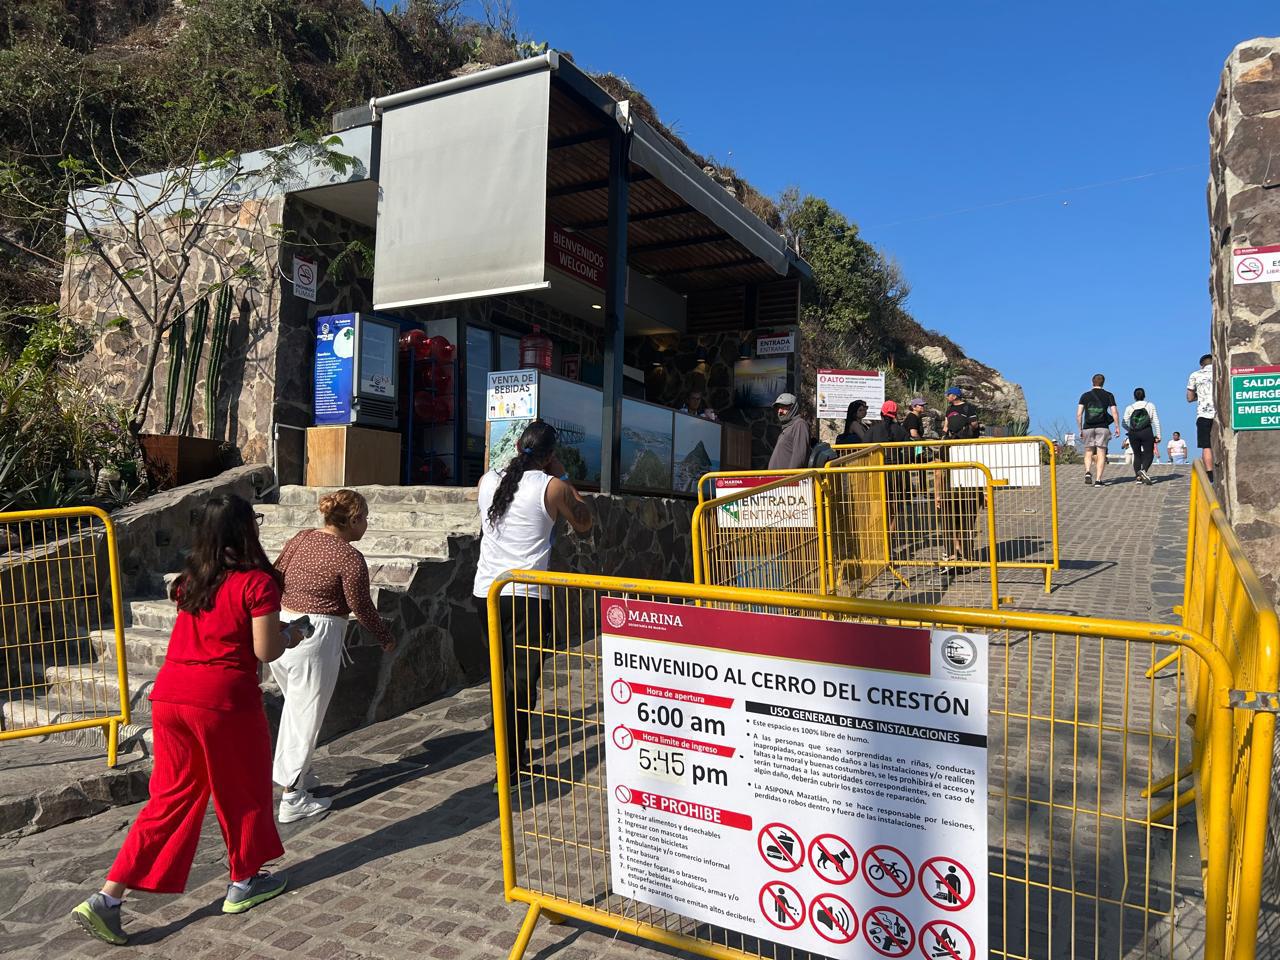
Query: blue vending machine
(357, 371)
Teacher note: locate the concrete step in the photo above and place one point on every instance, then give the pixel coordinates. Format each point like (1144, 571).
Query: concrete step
(143, 646)
(460, 517)
(379, 495)
(380, 543)
(157, 615)
(42, 711)
(95, 687)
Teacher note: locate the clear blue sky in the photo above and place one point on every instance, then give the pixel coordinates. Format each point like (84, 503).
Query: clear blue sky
(902, 114)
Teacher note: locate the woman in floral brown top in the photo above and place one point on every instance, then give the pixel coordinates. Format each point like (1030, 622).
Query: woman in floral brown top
(326, 578)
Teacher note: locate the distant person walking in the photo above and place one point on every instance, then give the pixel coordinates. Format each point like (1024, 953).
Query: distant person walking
(856, 428)
(1177, 449)
(791, 452)
(210, 730)
(1143, 424)
(958, 512)
(1200, 392)
(1097, 418)
(519, 506)
(326, 578)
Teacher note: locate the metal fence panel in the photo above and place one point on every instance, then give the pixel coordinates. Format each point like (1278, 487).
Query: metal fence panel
(59, 594)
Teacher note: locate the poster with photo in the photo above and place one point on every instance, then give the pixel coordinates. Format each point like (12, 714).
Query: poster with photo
(576, 411)
(697, 451)
(647, 444)
(757, 383)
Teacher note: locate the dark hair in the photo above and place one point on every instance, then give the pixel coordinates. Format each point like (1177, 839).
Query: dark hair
(1139, 393)
(1206, 359)
(535, 447)
(856, 411)
(1099, 379)
(226, 540)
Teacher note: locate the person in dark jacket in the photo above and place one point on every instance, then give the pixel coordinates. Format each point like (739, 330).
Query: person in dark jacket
(856, 428)
(792, 449)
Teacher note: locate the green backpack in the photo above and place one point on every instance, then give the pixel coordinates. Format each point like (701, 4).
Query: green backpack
(1140, 419)
(1095, 411)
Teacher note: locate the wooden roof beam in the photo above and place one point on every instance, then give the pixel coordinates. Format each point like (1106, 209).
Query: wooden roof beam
(588, 185)
(635, 218)
(726, 265)
(681, 242)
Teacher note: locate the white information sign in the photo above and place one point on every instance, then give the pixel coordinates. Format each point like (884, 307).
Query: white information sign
(512, 395)
(306, 277)
(839, 388)
(789, 506)
(832, 800)
(1256, 264)
(776, 346)
(1017, 463)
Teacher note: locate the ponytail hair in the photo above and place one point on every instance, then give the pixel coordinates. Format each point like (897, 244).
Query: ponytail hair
(1139, 394)
(536, 446)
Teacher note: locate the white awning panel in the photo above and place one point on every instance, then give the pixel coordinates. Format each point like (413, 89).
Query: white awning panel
(463, 192)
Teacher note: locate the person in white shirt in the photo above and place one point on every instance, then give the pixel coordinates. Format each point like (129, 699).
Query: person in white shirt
(1200, 392)
(519, 507)
(1143, 423)
(1177, 449)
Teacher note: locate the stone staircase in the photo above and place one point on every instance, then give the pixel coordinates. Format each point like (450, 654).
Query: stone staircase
(417, 548)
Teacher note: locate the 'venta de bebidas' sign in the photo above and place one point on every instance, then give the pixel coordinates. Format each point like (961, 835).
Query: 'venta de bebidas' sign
(575, 255)
(787, 506)
(1255, 398)
(512, 395)
(833, 799)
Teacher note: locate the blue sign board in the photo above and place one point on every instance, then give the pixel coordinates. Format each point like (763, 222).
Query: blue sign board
(335, 368)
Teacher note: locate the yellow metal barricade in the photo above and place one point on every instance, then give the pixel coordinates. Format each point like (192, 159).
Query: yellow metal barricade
(59, 595)
(923, 533)
(1225, 601)
(1026, 500)
(1078, 729)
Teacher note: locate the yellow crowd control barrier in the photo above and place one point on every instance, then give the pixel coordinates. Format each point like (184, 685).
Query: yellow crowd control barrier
(1079, 729)
(1026, 500)
(1225, 601)
(923, 533)
(59, 596)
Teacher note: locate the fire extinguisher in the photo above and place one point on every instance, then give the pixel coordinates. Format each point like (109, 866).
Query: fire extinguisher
(535, 350)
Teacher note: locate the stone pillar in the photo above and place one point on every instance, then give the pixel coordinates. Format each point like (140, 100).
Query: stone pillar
(1244, 211)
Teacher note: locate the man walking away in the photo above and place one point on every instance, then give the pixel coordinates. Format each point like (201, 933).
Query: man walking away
(1200, 392)
(1177, 449)
(959, 422)
(792, 449)
(1097, 418)
(1143, 423)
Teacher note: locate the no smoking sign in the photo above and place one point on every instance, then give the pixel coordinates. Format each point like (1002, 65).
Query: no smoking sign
(1256, 264)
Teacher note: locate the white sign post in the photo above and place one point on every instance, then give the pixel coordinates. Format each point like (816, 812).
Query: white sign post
(512, 395)
(306, 277)
(833, 799)
(1256, 264)
(839, 388)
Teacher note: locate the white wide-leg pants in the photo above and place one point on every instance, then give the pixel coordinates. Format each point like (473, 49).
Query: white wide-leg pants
(306, 675)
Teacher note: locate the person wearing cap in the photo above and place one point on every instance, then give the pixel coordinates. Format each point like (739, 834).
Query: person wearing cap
(913, 422)
(888, 430)
(960, 422)
(791, 452)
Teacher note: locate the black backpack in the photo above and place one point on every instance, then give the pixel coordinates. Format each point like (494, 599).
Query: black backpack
(888, 431)
(1095, 410)
(1139, 419)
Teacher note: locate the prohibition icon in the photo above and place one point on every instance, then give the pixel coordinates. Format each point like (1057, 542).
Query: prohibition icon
(833, 859)
(889, 932)
(306, 273)
(943, 940)
(1250, 268)
(782, 905)
(833, 918)
(622, 738)
(621, 691)
(780, 847)
(946, 883)
(888, 871)
(623, 794)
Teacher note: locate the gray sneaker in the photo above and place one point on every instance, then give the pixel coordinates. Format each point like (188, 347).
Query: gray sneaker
(261, 889)
(101, 920)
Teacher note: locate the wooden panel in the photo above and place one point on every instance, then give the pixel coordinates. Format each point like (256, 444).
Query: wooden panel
(352, 456)
(736, 454)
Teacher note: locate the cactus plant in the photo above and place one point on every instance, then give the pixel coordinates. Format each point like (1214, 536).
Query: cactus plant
(177, 356)
(199, 324)
(217, 344)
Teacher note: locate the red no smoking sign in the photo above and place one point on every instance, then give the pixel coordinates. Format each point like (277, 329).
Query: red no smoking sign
(946, 883)
(888, 871)
(782, 905)
(889, 932)
(780, 847)
(833, 918)
(943, 940)
(1250, 268)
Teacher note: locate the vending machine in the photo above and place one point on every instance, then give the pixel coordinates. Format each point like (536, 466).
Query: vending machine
(357, 377)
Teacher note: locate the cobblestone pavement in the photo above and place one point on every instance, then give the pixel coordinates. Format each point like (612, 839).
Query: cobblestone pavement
(407, 865)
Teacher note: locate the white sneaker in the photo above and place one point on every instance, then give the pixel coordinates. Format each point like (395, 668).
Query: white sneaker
(301, 805)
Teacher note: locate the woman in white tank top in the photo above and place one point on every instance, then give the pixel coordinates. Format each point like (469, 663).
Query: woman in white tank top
(519, 507)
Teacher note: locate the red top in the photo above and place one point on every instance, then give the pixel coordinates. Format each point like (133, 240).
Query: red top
(210, 661)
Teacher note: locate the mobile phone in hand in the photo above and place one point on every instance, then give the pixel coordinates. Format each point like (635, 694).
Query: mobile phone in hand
(302, 626)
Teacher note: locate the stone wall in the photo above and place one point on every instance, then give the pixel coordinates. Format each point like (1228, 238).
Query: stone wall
(1244, 210)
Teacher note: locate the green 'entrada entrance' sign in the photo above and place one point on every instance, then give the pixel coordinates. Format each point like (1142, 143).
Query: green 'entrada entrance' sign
(1255, 398)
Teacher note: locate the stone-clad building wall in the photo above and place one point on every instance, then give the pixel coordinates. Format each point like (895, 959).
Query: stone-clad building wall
(1244, 210)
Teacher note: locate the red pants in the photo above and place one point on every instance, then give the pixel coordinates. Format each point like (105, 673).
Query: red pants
(198, 752)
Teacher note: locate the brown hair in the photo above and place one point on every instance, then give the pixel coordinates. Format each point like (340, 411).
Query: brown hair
(341, 507)
(226, 540)
(1099, 379)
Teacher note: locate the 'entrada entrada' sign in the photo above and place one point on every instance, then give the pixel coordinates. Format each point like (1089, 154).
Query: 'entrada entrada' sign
(1255, 398)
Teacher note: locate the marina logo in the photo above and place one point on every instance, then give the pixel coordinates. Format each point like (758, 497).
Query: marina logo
(959, 651)
(616, 616)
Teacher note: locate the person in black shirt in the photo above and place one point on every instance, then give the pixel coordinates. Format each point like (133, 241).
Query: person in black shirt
(1096, 418)
(913, 422)
(960, 422)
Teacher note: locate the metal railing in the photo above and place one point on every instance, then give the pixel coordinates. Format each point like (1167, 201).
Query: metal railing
(60, 604)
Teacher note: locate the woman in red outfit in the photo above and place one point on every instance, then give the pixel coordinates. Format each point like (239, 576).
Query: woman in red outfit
(209, 727)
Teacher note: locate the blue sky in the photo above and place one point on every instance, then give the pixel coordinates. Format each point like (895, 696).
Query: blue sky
(900, 115)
